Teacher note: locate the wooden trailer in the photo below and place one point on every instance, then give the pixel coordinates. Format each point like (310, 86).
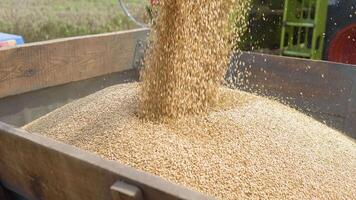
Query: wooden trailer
(40, 77)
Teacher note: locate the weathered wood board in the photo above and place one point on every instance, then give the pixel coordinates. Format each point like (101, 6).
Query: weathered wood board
(40, 168)
(350, 122)
(325, 90)
(39, 65)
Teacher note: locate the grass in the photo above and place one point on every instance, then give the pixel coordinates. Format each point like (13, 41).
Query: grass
(38, 20)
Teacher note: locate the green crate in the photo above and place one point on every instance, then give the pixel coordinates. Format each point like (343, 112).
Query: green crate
(303, 30)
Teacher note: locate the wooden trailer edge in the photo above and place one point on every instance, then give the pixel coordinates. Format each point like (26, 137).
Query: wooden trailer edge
(40, 168)
(324, 90)
(39, 65)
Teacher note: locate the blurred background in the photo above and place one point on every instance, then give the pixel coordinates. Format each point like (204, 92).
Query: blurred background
(38, 20)
(312, 28)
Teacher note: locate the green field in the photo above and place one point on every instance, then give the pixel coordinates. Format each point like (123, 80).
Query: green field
(39, 20)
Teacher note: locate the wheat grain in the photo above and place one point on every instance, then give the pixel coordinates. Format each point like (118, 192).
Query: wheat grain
(248, 147)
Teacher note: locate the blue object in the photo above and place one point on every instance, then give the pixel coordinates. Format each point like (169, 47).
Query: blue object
(5, 37)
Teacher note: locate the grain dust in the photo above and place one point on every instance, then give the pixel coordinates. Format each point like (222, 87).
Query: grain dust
(249, 147)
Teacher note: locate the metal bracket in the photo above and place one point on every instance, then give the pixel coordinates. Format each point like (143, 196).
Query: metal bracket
(124, 191)
(139, 53)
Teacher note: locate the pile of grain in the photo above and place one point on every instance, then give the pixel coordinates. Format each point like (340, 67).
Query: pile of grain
(250, 147)
(188, 56)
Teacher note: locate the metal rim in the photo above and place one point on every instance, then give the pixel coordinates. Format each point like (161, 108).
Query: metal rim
(343, 46)
(130, 16)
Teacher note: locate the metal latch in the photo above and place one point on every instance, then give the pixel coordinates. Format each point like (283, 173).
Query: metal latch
(140, 48)
(124, 191)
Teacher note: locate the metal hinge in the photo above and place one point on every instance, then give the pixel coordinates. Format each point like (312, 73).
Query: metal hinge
(124, 191)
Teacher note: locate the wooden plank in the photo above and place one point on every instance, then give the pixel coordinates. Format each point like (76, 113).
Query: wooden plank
(322, 89)
(44, 64)
(350, 122)
(46, 169)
